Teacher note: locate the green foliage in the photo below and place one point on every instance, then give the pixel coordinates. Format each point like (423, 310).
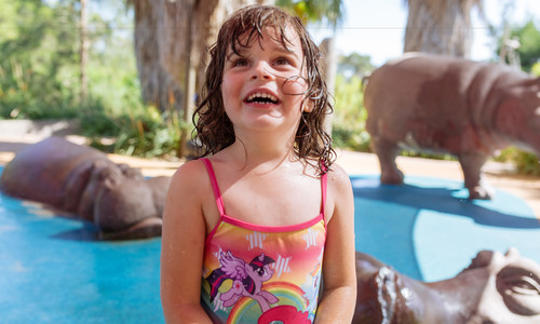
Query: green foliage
(348, 129)
(535, 70)
(524, 162)
(37, 46)
(355, 64)
(528, 37)
(142, 133)
(39, 75)
(529, 49)
(428, 155)
(326, 11)
(118, 111)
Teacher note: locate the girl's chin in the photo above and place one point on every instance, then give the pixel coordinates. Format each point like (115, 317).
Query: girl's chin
(263, 123)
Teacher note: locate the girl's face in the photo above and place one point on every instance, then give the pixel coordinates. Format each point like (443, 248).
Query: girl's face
(263, 87)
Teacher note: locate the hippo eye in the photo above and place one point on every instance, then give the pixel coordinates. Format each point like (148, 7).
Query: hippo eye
(519, 280)
(520, 289)
(524, 285)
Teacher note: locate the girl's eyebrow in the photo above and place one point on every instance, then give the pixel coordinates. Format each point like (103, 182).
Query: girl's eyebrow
(277, 48)
(283, 50)
(233, 53)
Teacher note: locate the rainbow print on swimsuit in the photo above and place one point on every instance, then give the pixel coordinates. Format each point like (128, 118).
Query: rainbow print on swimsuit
(275, 279)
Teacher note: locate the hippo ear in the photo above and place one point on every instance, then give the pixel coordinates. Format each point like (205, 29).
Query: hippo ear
(512, 251)
(481, 260)
(76, 184)
(97, 169)
(111, 176)
(130, 172)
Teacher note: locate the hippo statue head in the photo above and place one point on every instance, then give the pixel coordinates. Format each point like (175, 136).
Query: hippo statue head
(494, 288)
(120, 202)
(518, 115)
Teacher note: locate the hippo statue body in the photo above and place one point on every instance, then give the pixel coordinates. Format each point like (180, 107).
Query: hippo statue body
(84, 182)
(450, 105)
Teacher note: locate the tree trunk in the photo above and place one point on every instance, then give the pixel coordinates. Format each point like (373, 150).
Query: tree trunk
(83, 52)
(329, 67)
(172, 38)
(156, 85)
(440, 27)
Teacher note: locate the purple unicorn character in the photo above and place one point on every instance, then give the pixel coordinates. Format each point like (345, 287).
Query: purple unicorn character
(247, 280)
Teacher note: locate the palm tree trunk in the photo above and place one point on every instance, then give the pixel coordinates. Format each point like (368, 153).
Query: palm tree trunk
(440, 27)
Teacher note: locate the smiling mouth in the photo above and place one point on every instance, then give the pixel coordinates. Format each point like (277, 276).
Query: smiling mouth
(262, 98)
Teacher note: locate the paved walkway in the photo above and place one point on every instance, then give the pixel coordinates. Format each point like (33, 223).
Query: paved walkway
(496, 175)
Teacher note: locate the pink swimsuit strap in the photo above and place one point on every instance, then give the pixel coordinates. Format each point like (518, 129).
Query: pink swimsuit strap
(215, 187)
(219, 200)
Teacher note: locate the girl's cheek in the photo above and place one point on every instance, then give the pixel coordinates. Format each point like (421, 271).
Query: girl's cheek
(295, 86)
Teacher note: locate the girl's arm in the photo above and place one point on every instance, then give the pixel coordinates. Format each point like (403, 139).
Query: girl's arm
(182, 247)
(339, 295)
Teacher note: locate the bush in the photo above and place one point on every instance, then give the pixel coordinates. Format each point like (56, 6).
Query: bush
(524, 162)
(140, 132)
(349, 120)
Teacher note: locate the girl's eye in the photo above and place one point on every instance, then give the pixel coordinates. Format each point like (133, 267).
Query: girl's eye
(282, 61)
(239, 62)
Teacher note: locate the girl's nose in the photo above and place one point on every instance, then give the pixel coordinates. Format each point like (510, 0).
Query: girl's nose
(261, 70)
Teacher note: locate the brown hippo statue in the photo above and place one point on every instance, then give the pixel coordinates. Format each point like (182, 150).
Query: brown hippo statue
(494, 289)
(451, 105)
(84, 182)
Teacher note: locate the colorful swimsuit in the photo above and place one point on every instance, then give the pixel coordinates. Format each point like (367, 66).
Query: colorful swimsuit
(262, 274)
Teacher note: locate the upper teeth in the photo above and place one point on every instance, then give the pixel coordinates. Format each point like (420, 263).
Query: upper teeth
(261, 95)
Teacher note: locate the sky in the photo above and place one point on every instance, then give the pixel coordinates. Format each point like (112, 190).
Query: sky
(377, 28)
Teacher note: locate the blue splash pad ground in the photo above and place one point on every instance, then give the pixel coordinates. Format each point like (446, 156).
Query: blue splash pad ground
(53, 271)
(427, 230)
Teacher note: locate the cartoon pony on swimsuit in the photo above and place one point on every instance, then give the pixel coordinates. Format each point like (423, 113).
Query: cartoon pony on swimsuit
(247, 280)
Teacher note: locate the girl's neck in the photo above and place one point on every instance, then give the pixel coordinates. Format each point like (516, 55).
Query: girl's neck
(257, 150)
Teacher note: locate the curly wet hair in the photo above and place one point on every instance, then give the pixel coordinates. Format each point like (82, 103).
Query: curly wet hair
(214, 130)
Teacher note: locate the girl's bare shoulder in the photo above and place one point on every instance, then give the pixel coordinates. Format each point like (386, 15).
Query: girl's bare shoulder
(340, 194)
(190, 176)
(338, 179)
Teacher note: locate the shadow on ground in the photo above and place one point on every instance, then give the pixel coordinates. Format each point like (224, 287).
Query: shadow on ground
(441, 199)
(87, 233)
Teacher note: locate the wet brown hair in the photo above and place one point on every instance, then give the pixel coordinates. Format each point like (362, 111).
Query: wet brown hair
(214, 130)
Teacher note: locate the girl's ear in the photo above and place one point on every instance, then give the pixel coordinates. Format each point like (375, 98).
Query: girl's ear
(307, 106)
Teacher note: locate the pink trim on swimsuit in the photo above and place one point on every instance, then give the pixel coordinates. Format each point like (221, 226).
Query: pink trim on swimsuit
(262, 228)
(269, 229)
(215, 187)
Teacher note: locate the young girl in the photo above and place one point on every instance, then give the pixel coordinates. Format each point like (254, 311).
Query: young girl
(252, 230)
